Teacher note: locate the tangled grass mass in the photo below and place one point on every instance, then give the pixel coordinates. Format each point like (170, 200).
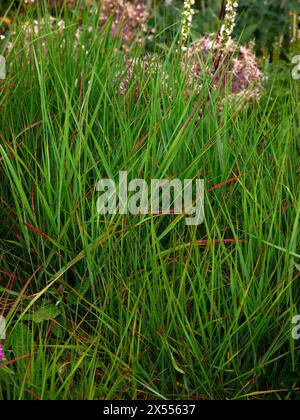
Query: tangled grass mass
(101, 303)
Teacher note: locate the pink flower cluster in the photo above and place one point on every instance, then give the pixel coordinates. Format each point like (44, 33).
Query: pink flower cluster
(234, 68)
(129, 16)
(2, 356)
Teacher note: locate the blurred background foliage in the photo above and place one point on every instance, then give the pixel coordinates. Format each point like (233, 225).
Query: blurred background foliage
(265, 21)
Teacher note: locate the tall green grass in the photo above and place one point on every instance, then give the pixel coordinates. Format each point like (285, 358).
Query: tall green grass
(143, 307)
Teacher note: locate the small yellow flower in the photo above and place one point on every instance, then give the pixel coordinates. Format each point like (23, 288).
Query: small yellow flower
(5, 20)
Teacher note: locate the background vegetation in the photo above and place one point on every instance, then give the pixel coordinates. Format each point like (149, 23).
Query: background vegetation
(145, 307)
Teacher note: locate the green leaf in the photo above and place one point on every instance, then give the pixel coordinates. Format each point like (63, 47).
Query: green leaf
(175, 365)
(44, 313)
(21, 340)
(297, 266)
